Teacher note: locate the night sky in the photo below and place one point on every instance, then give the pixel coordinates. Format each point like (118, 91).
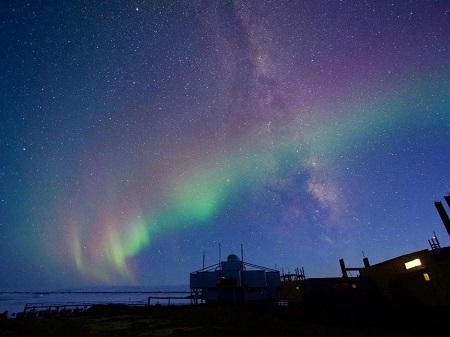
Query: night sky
(137, 135)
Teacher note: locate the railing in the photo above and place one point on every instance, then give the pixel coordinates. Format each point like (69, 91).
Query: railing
(54, 309)
(188, 299)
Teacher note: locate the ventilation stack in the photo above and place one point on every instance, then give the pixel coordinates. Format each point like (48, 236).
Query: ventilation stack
(447, 198)
(443, 214)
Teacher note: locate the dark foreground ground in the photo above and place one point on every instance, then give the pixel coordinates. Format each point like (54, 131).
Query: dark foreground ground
(201, 320)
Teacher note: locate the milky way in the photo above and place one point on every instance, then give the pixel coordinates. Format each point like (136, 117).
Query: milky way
(137, 136)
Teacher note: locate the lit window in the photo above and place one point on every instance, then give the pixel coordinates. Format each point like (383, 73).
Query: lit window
(413, 263)
(426, 276)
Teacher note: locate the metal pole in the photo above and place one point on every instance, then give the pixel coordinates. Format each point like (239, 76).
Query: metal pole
(242, 273)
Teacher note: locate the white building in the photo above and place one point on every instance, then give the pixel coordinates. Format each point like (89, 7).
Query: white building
(235, 281)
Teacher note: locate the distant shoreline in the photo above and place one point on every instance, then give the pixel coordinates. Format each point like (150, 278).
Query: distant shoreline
(95, 292)
(15, 301)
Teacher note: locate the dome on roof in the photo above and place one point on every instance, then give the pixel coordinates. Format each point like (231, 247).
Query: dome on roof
(232, 258)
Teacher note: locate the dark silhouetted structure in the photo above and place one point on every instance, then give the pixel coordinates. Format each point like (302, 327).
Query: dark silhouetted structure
(443, 214)
(414, 282)
(235, 281)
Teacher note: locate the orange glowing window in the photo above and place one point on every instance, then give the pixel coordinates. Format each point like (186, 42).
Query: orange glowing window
(413, 263)
(426, 277)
